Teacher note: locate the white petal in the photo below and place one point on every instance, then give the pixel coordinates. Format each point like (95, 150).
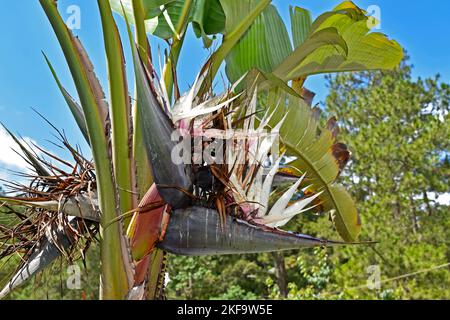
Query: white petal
(200, 110)
(254, 192)
(282, 203)
(267, 186)
(265, 120)
(249, 122)
(298, 207)
(184, 104)
(281, 219)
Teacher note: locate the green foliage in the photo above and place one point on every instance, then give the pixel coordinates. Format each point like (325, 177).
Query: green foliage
(314, 273)
(317, 155)
(226, 277)
(397, 129)
(52, 283)
(338, 40)
(116, 272)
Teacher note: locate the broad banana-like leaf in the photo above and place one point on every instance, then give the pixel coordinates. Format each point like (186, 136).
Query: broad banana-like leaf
(300, 25)
(169, 18)
(265, 45)
(208, 18)
(150, 6)
(117, 273)
(162, 17)
(326, 39)
(339, 40)
(320, 157)
(240, 15)
(232, 18)
(152, 9)
(366, 50)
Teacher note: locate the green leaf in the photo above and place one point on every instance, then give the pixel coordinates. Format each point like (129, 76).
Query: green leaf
(117, 273)
(179, 34)
(337, 41)
(346, 218)
(237, 12)
(235, 29)
(144, 177)
(116, 6)
(208, 18)
(325, 40)
(151, 11)
(265, 45)
(319, 156)
(213, 18)
(300, 24)
(151, 5)
(74, 107)
(175, 12)
(366, 51)
(256, 78)
(121, 122)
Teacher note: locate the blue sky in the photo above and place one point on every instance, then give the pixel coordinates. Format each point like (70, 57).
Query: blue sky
(25, 81)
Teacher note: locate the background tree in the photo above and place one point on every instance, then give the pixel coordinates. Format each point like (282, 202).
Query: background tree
(398, 130)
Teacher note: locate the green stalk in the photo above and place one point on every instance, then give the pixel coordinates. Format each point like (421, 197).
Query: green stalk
(156, 274)
(232, 38)
(171, 64)
(144, 177)
(144, 174)
(120, 110)
(229, 41)
(116, 272)
(141, 34)
(175, 49)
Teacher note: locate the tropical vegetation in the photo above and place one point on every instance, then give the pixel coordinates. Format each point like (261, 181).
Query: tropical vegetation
(137, 201)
